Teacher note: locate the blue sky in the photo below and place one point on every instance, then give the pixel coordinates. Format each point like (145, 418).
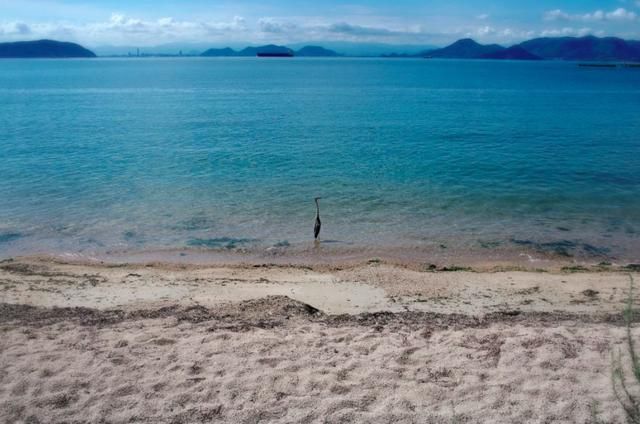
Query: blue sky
(219, 23)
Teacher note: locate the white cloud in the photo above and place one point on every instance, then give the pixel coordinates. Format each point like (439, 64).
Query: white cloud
(350, 29)
(121, 29)
(502, 35)
(15, 29)
(486, 30)
(620, 14)
(270, 25)
(556, 15)
(567, 31)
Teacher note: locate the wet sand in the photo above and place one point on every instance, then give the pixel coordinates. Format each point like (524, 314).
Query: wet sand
(364, 342)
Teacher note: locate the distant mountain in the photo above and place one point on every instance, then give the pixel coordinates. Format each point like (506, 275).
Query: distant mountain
(584, 48)
(343, 48)
(587, 48)
(270, 48)
(315, 51)
(307, 51)
(43, 49)
(511, 53)
(247, 51)
(464, 49)
(564, 48)
(227, 51)
(359, 49)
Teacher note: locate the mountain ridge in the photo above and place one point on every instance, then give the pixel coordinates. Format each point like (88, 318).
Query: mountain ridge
(583, 48)
(465, 48)
(511, 53)
(306, 51)
(589, 48)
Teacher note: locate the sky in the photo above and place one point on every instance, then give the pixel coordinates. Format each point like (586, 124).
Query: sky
(221, 23)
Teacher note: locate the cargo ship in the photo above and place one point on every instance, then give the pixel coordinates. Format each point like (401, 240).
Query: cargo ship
(275, 54)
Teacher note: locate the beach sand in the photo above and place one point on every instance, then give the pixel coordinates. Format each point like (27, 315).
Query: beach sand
(370, 342)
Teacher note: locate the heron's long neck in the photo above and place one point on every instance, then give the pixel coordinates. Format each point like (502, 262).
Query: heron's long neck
(317, 210)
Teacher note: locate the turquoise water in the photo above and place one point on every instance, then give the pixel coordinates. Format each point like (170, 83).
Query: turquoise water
(118, 154)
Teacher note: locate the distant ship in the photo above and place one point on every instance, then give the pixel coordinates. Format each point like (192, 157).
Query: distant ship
(280, 54)
(598, 65)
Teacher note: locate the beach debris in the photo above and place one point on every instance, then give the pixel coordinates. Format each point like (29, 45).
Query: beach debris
(455, 268)
(529, 291)
(591, 293)
(574, 268)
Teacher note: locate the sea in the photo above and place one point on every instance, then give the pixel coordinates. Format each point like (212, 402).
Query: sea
(227, 154)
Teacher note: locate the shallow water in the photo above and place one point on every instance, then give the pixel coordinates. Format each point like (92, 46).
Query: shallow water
(119, 154)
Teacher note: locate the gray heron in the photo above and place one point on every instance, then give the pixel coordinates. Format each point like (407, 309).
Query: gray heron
(316, 227)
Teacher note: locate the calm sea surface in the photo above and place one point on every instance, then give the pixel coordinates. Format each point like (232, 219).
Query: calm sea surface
(105, 154)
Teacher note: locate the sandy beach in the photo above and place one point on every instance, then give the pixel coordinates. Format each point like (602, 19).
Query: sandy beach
(373, 342)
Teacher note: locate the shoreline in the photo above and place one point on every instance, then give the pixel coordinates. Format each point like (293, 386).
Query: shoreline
(543, 252)
(321, 256)
(345, 288)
